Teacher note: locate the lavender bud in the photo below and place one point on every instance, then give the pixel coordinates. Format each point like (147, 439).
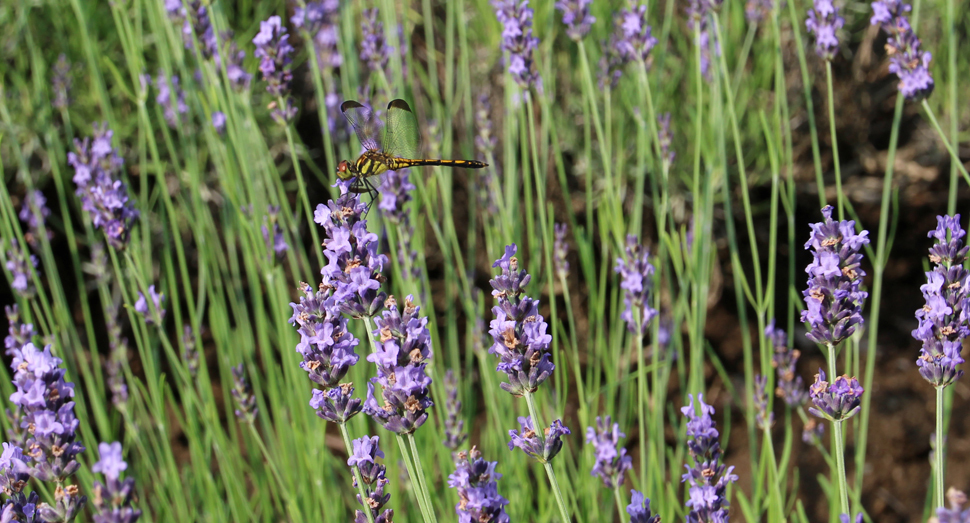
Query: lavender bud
(636, 273)
(708, 477)
(541, 447)
(242, 392)
(61, 82)
(167, 93)
(477, 485)
(560, 250)
(364, 457)
(823, 21)
(113, 498)
(21, 266)
(789, 385)
(611, 464)
(154, 315)
(837, 401)
(639, 509)
(454, 426)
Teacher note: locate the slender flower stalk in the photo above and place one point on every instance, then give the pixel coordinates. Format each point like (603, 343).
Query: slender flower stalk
(112, 501)
(837, 402)
(476, 481)
(708, 477)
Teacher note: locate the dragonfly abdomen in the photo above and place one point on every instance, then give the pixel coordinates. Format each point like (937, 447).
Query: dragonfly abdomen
(400, 163)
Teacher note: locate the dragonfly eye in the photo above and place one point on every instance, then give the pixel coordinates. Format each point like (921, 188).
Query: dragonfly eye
(343, 170)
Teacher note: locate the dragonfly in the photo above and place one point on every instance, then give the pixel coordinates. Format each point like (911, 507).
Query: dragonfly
(397, 150)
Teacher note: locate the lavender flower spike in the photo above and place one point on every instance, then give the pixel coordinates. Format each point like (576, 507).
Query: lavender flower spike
(403, 351)
(765, 418)
(517, 39)
(956, 513)
(837, 401)
(634, 40)
(833, 299)
(34, 213)
(943, 319)
(320, 20)
(576, 17)
(273, 49)
(823, 21)
(789, 385)
(242, 392)
(455, 433)
(327, 347)
(141, 306)
(112, 500)
(373, 48)
(174, 113)
(518, 330)
(21, 266)
(666, 138)
(610, 464)
(477, 485)
(364, 457)
(708, 477)
(845, 518)
(560, 250)
(639, 509)
(911, 65)
(541, 447)
(636, 272)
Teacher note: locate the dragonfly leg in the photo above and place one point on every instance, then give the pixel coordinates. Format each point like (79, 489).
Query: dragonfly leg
(371, 191)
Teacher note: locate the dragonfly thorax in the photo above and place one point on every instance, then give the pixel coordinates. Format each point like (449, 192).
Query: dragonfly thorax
(372, 163)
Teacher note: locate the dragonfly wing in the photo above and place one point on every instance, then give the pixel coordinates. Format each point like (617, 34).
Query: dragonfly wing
(401, 134)
(365, 123)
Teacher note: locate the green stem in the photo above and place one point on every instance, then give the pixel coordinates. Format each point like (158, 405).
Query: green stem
(938, 456)
(619, 502)
(840, 459)
(540, 432)
(421, 479)
(955, 158)
(835, 142)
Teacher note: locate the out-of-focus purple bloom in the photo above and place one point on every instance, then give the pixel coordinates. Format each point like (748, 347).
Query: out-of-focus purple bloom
(403, 351)
(273, 49)
(191, 355)
(943, 319)
(320, 19)
(639, 509)
(196, 25)
(666, 138)
(455, 433)
(758, 10)
(46, 412)
(765, 419)
(812, 432)
(789, 385)
(708, 477)
(242, 392)
(835, 401)
(34, 213)
(219, 121)
(485, 141)
(611, 464)
(18, 334)
(477, 485)
(96, 164)
(141, 306)
(906, 61)
(364, 457)
(167, 93)
(576, 17)
(117, 359)
(823, 21)
(61, 82)
(518, 330)
(276, 241)
(845, 518)
(542, 447)
(113, 499)
(327, 347)
(956, 513)
(237, 74)
(517, 39)
(833, 299)
(636, 274)
(21, 266)
(354, 267)
(698, 12)
(395, 194)
(374, 50)
(634, 39)
(560, 250)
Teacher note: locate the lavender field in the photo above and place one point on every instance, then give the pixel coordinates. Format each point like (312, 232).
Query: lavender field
(694, 260)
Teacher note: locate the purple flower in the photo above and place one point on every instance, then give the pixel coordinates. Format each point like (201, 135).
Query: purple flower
(836, 401)
(956, 513)
(518, 330)
(636, 275)
(103, 197)
(403, 351)
(169, 93)
(517, 40)
(364, 457)
(823, 21)
(325, 343)
(320, 19)
(560, 250)
(845, 518)
(18, 334)
(61, 83)
(666, 137)
(21, 266)
(813, 431)
(758, 10)
(242, 392)
(278, 241)
(34, 213)
(336, 404)
(112, 500)
(395, 194)
(219, 121)
(542, 447)
(477, 485)
(576, 17)
(611, 464)
(764, 418)
(141, 306)
(943, 319)
(273, 49)
(455, 433)
(639, 509)
(633, 38)
(14, 474)
(789, 386)
(354, 266)
(833, 299)
(708, 477)
(374, 50)
(905, 58)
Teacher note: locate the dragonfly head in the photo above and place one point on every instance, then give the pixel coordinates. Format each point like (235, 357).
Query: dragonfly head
(344, 170)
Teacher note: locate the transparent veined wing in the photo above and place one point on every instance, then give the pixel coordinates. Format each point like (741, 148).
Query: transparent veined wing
(401, 131)
(365, 123)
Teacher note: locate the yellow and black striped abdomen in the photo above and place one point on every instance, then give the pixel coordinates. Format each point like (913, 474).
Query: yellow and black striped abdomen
(400, 163)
